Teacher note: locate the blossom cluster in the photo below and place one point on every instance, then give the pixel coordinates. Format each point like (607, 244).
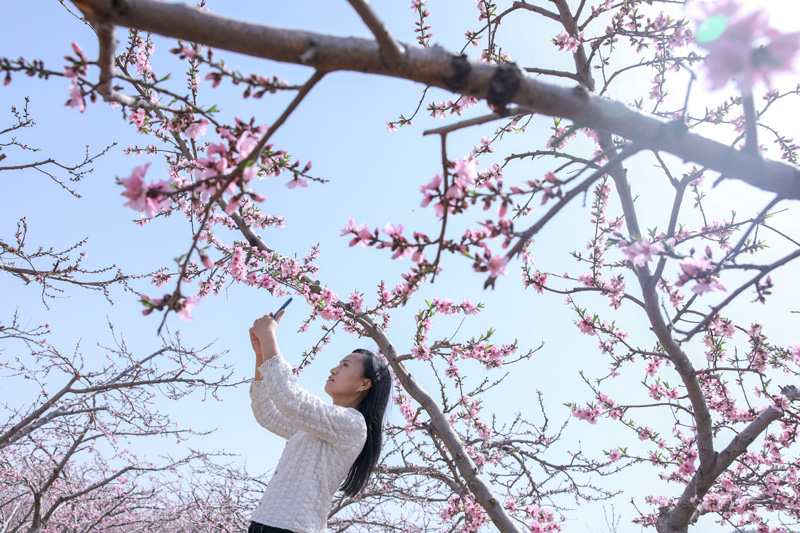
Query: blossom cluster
(568, 43)
(701, 270)
(73, 72)
(453, 194)
(422, 27)
(459, 106)
(474, 515)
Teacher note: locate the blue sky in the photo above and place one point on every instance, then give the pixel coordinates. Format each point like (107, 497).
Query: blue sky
(374, 178)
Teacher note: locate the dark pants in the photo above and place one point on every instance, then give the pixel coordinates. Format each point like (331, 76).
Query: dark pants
(255, 527)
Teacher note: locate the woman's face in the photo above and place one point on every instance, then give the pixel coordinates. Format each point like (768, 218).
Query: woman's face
(347, 385)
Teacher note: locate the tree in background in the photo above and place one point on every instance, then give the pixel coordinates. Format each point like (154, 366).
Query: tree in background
(703, 399)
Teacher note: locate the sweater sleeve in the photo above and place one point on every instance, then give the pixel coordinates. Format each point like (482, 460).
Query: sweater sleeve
(267, 413)
(337, 425)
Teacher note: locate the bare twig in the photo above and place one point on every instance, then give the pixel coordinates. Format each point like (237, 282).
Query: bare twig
(763, 271)
(513, 111)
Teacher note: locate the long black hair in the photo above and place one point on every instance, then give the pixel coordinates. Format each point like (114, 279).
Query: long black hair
(372, 407)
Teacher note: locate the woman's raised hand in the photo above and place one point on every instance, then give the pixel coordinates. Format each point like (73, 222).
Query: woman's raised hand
(264, 339)
(266, 326)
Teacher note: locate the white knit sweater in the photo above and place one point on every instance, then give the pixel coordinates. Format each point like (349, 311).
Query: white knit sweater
(323, 442)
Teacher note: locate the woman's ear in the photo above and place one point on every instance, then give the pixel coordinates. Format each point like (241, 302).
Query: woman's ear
(365, 385)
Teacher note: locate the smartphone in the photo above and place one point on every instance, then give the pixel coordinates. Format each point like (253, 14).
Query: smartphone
(284, 306)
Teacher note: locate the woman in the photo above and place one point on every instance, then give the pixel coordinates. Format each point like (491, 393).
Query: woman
(329, 447)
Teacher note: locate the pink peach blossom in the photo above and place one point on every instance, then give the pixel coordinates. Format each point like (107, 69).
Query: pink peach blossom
(745, 47)
(75, 96)
(147, 199)
(246, 143)
(196, 129)
(497, 266)
(297, 182)
(641, 252)
(185, 312)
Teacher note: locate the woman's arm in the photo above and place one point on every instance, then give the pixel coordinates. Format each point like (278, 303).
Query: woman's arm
(305, 411)
(264, 410)
(264, 335)
(337, 425)
(267, 414)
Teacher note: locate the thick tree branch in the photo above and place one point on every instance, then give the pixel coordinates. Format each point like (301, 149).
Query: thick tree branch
(106, 61)
(391, 50)
(501, 84)
(582, 64)
(683, 365)
(750, 124)
(684, 510)
(701, 413)
(442, 428)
